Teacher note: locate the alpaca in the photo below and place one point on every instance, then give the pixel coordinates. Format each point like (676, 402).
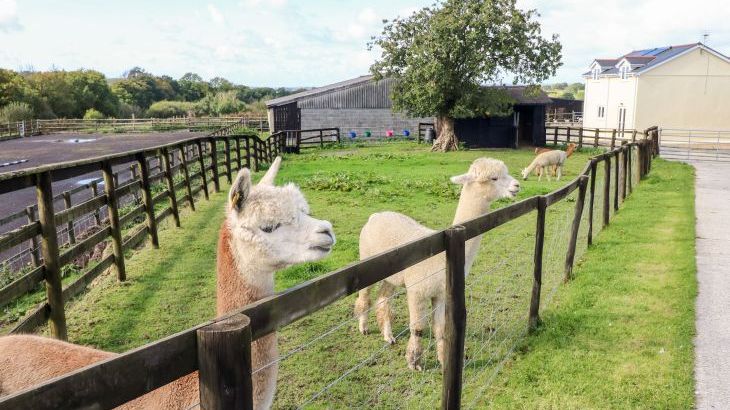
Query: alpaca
(545, 161)
(568, 152)
(486, 180)
(266, 228)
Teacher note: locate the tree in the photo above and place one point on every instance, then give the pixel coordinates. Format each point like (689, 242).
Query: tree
(192, 87)
(441, 58)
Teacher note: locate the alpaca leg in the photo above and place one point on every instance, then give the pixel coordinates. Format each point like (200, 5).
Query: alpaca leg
(560, 171)
(384, 313)
(439, 320)
(417, 309)
(539, 174)
(362, 305)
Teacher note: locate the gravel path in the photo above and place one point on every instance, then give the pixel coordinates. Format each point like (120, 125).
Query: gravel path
(712, 343)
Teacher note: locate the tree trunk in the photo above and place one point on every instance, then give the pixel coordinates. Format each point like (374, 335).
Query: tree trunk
(446, 140)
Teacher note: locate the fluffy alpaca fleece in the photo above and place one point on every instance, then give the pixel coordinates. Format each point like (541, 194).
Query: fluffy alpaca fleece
(545, 161)
(568, 152)
(266, 228)
(486, 180)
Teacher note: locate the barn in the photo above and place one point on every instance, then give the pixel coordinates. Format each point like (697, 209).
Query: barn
(363, 106)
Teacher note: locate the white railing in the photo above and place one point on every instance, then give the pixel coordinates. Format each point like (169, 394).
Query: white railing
(694, 144)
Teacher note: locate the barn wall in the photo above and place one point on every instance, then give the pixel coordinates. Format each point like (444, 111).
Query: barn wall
(367, 95)
(377, 120)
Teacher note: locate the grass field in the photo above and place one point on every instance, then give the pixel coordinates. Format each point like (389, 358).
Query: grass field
(327, 364)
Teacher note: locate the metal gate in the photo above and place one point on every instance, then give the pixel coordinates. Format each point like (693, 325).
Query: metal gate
(694, 145)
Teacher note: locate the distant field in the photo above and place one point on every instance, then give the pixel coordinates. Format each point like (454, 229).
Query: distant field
(327, 361)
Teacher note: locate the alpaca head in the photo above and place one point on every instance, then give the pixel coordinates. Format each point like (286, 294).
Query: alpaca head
(490, 179)
(571, 148)
(272, 223)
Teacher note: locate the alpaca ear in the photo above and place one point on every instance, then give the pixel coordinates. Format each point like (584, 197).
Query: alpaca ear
(240, 189)
(462, 179)
(270, 176)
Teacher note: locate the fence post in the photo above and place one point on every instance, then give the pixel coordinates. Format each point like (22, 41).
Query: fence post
(570, 257)
(625, 175)
(555, 136)
(113, 212)
(595, 141)
(171, 186)
(613, 139)
(70, 223)
(248, 153)
(338, 134)
(186, 175)
(592, 201)
(580, 137)
(227, 147)
(95, 193)
(34, 250)
(214, 164)
(49, 250)
(534, 317)
(567, 136)
(455, 314)
(203, 172)
(630, 168)
(149, 205)
(616, 184)
(606, 190)
(238, 152)
(224, 363)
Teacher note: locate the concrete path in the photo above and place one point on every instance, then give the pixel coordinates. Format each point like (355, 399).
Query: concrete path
(712, 344)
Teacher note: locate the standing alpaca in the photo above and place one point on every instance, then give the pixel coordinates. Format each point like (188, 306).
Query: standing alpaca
(267, 228)
(568, 152)
(486, 180)
(545, 161)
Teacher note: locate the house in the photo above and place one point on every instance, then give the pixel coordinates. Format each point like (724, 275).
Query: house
(363, 105)
(684, 86)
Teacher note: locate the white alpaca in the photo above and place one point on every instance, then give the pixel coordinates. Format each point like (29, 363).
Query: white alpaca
(545, 161)
(266, 228)
(486, 180)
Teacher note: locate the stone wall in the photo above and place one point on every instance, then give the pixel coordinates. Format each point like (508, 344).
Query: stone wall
(378, 121)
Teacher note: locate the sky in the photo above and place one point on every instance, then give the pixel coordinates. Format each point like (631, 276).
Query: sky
(293, 43)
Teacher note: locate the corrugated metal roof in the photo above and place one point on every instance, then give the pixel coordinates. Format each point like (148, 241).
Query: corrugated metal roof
(363, 92)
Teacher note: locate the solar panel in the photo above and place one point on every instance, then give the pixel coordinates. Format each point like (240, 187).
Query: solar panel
(657, 51)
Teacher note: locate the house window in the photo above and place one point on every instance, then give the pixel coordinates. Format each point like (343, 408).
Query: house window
(624, 71)
(596, 72)
(601, 111)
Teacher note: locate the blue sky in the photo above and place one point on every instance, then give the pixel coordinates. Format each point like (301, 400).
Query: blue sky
(307, 43)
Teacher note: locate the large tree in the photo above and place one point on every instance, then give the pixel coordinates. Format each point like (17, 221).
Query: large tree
(443, 56)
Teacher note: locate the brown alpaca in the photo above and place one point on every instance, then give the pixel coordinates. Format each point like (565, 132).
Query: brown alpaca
(554, 169)
(266, 229)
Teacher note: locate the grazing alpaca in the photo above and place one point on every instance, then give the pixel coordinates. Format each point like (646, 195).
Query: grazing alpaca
(568, 152)
(486, 180)
(544, 161)
(266, 229)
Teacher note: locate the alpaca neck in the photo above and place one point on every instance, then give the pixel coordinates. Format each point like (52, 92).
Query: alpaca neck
(471, 204)
(242, 277)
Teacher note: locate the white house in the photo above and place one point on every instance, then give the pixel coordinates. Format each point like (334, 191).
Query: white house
(685, 86)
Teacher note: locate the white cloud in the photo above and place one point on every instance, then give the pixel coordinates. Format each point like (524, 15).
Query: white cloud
(9, 16)
(271, 3)
(216, 15)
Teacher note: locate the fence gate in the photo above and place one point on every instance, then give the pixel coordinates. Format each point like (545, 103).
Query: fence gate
(694, 144)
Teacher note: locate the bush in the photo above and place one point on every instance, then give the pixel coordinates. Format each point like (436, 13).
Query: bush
(167, 109)
(92, 114)
(16, 111)
(129, 111)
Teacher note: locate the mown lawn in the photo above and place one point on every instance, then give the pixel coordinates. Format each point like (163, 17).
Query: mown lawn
(327, 363)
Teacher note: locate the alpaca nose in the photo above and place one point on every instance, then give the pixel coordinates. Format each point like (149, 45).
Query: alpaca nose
(325, 231)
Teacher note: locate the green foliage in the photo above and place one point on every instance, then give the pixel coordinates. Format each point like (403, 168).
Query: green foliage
(442, 56)
(222, 103)
(92, 114)
(167, 109)
(16, 111)
(574, 91)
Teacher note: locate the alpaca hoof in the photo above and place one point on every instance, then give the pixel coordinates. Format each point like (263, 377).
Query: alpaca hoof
(390, 339)
(363, 328)
(416, 367)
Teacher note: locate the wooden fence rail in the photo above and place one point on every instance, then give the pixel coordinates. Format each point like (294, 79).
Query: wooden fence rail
(118, 380)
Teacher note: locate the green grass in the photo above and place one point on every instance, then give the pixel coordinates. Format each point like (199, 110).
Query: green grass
(173, 288)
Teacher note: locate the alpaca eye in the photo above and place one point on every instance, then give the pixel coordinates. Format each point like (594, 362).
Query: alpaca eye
(495, 178)
(270, 228)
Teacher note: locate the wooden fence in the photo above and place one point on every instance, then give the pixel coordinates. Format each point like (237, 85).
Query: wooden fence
(200, 162)
(295, 140)
(37, 127)
(597, 137)
(123, 378)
